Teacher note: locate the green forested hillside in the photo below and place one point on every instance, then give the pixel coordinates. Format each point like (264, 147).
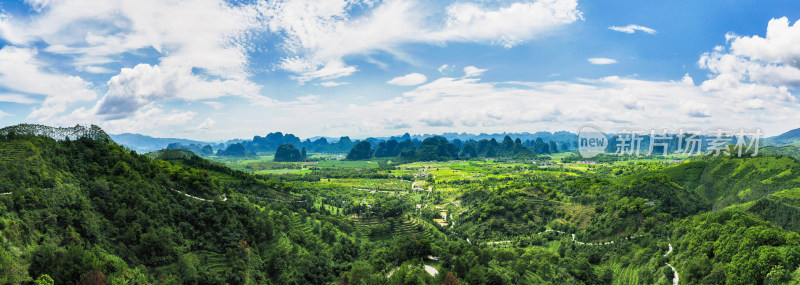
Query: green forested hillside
(86, 207)
(734, 247)
(787, 150)
(726, 181)
(88, 211)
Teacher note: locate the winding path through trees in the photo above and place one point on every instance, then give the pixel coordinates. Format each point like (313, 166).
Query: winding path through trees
(594, 243)
(198, 198)
(226, 198)
(430, 269)
(675, 278)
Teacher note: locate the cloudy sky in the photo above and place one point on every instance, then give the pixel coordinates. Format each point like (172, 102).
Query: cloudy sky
(214, 69)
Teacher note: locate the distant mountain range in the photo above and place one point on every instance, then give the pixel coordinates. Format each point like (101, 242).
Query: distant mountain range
(561, 136)
(788, 138)
(143, 143)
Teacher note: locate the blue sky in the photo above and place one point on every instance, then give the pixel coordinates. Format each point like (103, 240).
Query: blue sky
(213, 70)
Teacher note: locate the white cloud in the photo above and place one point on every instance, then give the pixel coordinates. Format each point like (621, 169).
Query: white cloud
(754, 70)
(442, 68)
(7, 30)
(149, 119)
(38, 5)
(630, 29)
(410, 79)
(144, 84)
(697, 110)
(773, 60)
(601, 60)
(20, 71)
(198, 58)
(96, 32)
(781, 44)
(318, 35)
(214, 104)
(144, 120)
(95, 69)
(747, 69)
(436, 120)
(308, 99)
(4, 114)
(506, 26)
(686, 79)
(471, 71)
(207, 124)
(333, 83)
(469, 104)
(16, 98)
(333, 69)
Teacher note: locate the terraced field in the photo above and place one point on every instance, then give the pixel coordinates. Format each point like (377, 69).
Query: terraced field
(214, 262)
(304, 225)
(410, 226)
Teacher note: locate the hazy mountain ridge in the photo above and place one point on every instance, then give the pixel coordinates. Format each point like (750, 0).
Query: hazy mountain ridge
(145, 143)
(791, 137)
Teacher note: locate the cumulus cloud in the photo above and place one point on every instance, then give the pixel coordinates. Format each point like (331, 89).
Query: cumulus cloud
(396, 123)
(781, 44)
(96, 32)
(207, 124)
(21, 71)
(318, 35)
(437, 120)
(697, 110)
(630, 29)
(601, 60)
(506, 26)
(470, 104)
(471, 71)
(144, 84)
(686, 79)
(772, 60)
(753, 70)
(147, 119)
(410, 79)
(198, 58)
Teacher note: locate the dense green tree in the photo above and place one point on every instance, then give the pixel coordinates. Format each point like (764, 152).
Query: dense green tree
(508, 143)
(236, 149)
(388, 148)
(540, 147)
(362, 150)
(287, 152)
(44, 279)
(437, 149)
(552, 147)
(11, 271)
(469, 150)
